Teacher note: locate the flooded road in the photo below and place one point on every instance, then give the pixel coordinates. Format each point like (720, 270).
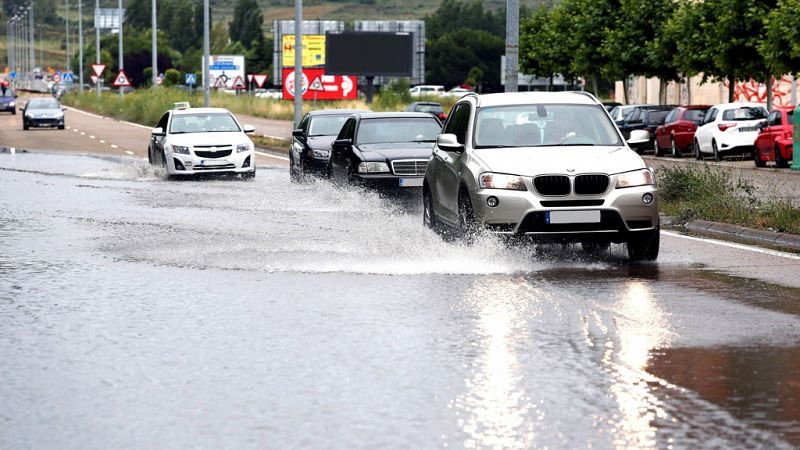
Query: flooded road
(139, 312)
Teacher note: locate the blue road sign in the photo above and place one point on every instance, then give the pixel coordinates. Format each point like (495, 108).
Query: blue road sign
(13, 75)
(191, 78)
(69, 78)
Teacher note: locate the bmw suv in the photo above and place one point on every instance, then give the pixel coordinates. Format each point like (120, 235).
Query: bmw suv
(544, 165)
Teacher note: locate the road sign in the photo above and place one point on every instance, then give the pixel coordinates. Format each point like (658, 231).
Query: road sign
(13, 75)
(69, 78)
(334, 87)
(56, 77)
(249, 77)
(160, 79)
(220, 82)
(94, 78)
(238, 83)
(259, 79)
(191, 79)
(121, 80)
(316, 85)
(98, 69)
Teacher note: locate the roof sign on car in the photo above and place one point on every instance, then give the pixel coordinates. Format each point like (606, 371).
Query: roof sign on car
(182, 105)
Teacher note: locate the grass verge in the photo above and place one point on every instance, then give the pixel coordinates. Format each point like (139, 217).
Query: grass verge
(688, 193)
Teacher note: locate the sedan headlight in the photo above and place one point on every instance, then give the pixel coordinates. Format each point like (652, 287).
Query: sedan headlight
(242, 148)
(372, 167)
(641, 177)
(180, 149)
(321, 153)
(12, 104)
(502, 181)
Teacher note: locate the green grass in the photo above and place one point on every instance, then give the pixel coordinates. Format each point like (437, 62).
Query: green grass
(688, 194)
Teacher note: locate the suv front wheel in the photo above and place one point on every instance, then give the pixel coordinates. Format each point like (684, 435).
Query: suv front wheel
(644, 245)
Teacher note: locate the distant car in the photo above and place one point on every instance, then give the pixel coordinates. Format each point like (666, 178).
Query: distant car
(428, 107)
(677, 133)
(384, 150)
(729, 128)
(647, 118)
(311, 142)
(609, 106)
(8, 99)
(43, 112)
(774, 140)
(427, 89)
(188, 141)
(619, 112)
(457, 92)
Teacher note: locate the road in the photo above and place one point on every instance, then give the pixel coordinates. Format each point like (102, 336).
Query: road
(138, 312)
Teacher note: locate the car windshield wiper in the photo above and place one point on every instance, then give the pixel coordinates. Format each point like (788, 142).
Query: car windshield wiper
(426, 140)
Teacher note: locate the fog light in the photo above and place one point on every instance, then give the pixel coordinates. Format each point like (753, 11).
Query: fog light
(246, 162)
(492, 202)
(647, 198)
(178, 164)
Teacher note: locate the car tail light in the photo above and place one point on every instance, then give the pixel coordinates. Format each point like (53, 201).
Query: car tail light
(725, 126)
(442, 116)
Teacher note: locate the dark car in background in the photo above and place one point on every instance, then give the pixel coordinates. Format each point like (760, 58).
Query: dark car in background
(311, 142)
(43, 112)
(428, 107)
(644, 118)
(774, 140)
(388, 150)
(677, 133)
(8, 99)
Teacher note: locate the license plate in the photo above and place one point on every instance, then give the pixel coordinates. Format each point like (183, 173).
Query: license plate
(410, 182)
(747, 129)
(212, 162)
(571, 217)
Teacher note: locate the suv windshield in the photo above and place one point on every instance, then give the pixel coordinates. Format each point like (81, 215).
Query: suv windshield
(544, 125)
(377, 131)
(202, 123)
(326, 125)
(745, 113)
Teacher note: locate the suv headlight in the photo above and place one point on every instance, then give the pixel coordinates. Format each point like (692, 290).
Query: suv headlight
(501, 181)
(372, 167)
(641, 177)
(242, 148)
(320, 153)
(180, 149)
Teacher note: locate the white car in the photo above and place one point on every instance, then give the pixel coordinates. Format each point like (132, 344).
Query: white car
(729, 128)
(457, 92)
(427, 89)
(188, 141)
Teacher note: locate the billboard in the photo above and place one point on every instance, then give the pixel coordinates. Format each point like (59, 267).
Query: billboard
(369, 53)
(224, 70)
(313, 50)
(417, 30)
(282, 28)
(317, 85)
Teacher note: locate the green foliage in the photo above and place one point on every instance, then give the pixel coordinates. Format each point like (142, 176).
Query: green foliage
(259, 58)
(450, 57)
(454, 15)
(171, 77)
(781, 45)
(246, 24)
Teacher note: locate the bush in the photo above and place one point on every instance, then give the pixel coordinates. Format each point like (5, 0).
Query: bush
(171, 77)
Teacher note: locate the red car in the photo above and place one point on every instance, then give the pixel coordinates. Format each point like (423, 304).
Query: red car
(774, 141)
(677, 133)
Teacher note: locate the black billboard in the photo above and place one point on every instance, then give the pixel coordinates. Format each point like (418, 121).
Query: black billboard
(369, 53)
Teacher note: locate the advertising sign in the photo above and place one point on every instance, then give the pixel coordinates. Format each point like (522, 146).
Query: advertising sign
(226, 67)
(316, 85)
(313, 50)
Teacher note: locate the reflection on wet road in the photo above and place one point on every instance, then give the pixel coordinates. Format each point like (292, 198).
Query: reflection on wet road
(141, 312)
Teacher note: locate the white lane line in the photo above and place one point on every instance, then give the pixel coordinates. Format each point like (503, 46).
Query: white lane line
(69, 128)
(129, 152)
(86, 113)
(735, 245)
(75, 130)
(91, 137)
(269, 155)
(83, 133)
(102, 141)
(114, 146)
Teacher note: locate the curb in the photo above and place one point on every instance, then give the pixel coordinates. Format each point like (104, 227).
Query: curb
(784, 240)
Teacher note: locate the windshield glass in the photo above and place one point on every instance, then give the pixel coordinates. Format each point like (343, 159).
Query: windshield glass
(745, 113)
(428, 108)
(42, 103)
(6, 91)
(396, 129)
(203, 123)
(326, 125)
(543, 125)
(657, 116)
(695, 115)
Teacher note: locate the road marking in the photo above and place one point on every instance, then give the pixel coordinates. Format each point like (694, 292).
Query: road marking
(269, 155)
(735, 245)
(129, 152)
(69, 128)
(75, 130)
(91, 137)
(83, 133)
(102, 141)
(114, 146)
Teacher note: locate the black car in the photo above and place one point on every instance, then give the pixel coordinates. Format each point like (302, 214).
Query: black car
(8, 99)
(428, 107)
(384, 150)
(43, 112)
(311, 142)
(644, 118)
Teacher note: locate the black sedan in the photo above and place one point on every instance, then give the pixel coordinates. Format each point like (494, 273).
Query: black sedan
(43, 112)
(384, 150)
(311, 142)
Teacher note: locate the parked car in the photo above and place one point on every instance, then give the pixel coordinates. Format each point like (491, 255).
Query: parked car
(609, 106)
(384, 150)
(619, 112)
(729, 128)
(457, 92)
(427, 89)
(43, 112)
(188, 141)
(428, 107)
(8, 99)
(644, 118)
(543, 165)
(311, 142)
(774, 140)
(677, 133)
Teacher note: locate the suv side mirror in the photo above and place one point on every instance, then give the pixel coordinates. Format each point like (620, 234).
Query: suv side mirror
(449, 143)
(298, 133)
(248, 128)
(342, 144)
(158, 131)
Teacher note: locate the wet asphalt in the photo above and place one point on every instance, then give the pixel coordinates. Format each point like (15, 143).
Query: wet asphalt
(141, 312)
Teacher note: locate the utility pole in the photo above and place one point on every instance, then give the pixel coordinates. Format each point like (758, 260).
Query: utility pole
(33, 42)
(298, 61)
(154, 49)
(121, 57)
(66, 30)
(206, 56)
(512, 44)
(80, 46)
(97, 43)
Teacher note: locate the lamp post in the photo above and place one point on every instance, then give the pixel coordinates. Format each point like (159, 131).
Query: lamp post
(206, 56)
(31, 29)
(154, 44)
(97, 43)
(80, 45)
(298, 61)
(121, 54)
(512, 44)
(66, 30)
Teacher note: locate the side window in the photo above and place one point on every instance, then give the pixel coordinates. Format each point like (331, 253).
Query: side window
(162, 122)
(458, 122)
(710, 116)
(347, 130)
(777, 119)
(672, 116)
(304, 123)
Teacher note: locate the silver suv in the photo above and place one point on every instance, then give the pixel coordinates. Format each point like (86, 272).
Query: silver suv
(546, 165)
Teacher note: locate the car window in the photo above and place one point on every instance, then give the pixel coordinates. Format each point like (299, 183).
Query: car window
(348, 130)
(771, 118)
(710, 116)
(458, 122)
(635, 116)
(656, 116)
(429, 108)
(777, 119)
(43, 103)
(537, 125)
(6, 91)
(790, 117)
(326, 125)
(671, 116)
(304, 123)
(694, 114)
(203, 123)
(398, 129)
(162, 122)
(745, 113)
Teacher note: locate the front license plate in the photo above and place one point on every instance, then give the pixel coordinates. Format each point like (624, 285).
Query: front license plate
(410, 182)
(212, 162)
(572, 217)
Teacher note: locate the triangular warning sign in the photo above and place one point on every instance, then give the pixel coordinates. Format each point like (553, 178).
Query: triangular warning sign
(259, 79)
(249, 77)
(316, 85)
(94, 78)
(220, 83)
(98, 69)
(238, 83)
(121, 80)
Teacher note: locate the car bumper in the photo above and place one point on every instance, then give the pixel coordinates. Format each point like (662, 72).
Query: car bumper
(180, 164)
(737, 142)
(388, 181)
(615, 215)
(44, 123)
(316, 166)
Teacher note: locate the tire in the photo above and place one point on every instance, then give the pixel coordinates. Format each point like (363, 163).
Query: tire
(715, 151)
(468, 228)
(24, 125)
(595, 247)
(293, 177)
(163, 162)
(676, 152)
(61, 127)
(658, 150)
(249, 175)
(429, 219)
(757, 158)
(779, 161)
(150, 155)
(643, 246)
(698, 155)
(14, 112)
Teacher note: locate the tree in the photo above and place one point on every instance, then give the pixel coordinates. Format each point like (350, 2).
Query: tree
(138, 14)
(451, 57)
(781, 45)
(247, 22)
(179, 38)
(544, 50)
(454, 15)
(259, 58)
